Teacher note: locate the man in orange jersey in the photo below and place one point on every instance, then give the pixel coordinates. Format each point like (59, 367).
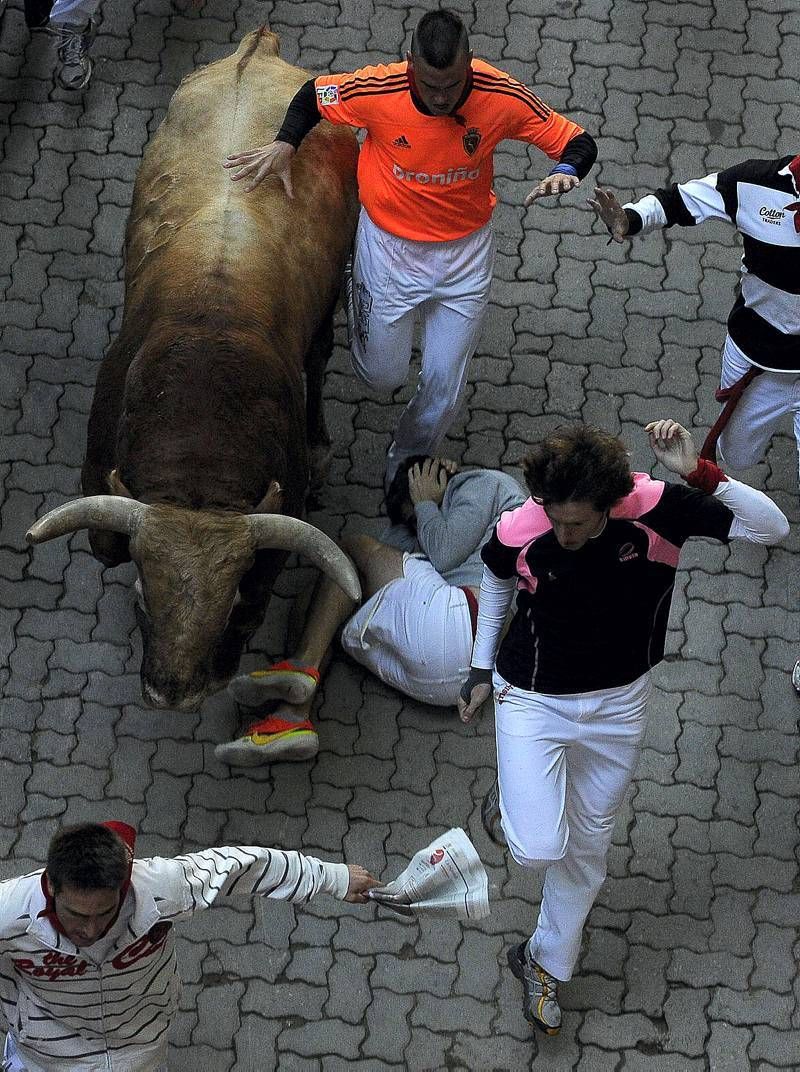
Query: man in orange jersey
(424, 246)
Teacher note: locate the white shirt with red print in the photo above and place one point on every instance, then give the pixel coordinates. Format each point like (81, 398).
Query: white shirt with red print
(108, 1007)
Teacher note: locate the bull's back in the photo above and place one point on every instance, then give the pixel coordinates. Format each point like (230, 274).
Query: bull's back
(191, 225)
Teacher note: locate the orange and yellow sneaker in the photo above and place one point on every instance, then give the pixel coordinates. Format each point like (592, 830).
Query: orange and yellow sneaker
(272, 740)
(286, 680)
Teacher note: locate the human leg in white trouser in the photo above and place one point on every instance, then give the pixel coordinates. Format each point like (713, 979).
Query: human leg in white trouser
(765, 402)
(446, 285)
(564, 765)
(73, 12)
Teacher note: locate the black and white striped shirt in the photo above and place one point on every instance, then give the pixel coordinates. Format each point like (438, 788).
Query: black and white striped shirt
(109, 1006)
(758, 197)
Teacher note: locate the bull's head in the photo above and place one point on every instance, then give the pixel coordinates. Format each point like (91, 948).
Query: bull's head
(190, 566)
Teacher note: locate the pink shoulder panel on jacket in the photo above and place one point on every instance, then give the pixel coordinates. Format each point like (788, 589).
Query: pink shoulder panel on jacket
(645, 495)
(518, 528)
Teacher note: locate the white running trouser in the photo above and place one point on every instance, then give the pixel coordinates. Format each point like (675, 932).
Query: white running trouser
(564, 764)
(446, 284)
(415, 634)
(73, 12)
(769, 397)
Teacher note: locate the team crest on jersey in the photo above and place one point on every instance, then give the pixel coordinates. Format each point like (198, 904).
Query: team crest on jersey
(327, 95)
(471, 140)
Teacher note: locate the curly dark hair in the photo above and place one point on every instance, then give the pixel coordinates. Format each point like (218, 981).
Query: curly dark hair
(440, 38)
(579, 463)
(87, 857)
(398, 494)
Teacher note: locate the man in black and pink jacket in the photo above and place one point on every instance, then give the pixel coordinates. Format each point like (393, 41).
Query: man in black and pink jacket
(592, 557)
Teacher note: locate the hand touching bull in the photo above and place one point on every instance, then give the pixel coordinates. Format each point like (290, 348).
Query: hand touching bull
(259, 163)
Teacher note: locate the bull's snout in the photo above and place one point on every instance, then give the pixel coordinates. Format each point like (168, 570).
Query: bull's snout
(174, 697)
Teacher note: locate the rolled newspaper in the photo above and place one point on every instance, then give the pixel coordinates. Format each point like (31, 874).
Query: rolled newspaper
(445, 878)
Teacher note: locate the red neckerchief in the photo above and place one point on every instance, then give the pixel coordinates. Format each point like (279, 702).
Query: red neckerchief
(127, 836)
(794, 170)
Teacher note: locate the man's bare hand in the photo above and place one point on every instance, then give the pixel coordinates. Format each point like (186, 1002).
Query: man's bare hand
(257, 164)
(468, 709)
(449, 466)
(553, 184)
(360, 881)
(610, 212)
(427, 482)
(673, 446)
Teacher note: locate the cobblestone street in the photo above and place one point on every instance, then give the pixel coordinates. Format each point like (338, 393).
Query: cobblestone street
(689, 961)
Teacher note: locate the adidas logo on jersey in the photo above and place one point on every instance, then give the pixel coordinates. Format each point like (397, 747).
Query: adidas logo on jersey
(402, 142)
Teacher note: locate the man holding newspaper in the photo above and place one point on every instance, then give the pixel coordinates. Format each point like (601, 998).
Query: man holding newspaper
(592, 555)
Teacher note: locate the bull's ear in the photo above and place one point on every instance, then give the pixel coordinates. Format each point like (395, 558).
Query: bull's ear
(115, 485)
(272, 503)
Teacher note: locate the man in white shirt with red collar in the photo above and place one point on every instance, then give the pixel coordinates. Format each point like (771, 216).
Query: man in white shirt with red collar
(88, 974)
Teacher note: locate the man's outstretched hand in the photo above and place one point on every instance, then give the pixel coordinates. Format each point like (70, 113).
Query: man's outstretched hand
(360, 881)
(610, 212)
(259, 163)
(553, 184)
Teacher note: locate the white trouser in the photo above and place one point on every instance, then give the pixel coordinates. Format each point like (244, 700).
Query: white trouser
(765, 401)
(447, 285)
(564, 764)
(415, 634)
(73, 12)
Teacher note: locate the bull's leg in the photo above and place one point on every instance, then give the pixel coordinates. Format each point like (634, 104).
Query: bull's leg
(319, 442)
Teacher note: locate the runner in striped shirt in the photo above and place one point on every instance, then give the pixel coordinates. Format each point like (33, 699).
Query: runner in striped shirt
(424, 247)
(760, 383)
(88, 975)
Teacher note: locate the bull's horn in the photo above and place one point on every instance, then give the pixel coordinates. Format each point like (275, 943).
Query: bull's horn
(110, 513)
(278, 532)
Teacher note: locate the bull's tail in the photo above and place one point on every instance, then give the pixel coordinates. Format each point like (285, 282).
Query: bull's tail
(264, 39)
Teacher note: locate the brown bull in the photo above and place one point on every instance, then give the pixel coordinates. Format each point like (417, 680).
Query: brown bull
(199, 431)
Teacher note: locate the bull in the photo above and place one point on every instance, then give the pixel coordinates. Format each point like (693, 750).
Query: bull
(200, 434)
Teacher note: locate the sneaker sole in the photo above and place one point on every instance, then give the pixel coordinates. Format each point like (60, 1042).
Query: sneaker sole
(292, 749)
(516, 970)
(291, 685)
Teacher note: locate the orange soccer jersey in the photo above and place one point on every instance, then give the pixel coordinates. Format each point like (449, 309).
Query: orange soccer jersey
(429, 177)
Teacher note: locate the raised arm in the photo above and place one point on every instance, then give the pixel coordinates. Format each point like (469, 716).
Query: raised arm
(683, 204)
(756, 518)
(449, 536)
